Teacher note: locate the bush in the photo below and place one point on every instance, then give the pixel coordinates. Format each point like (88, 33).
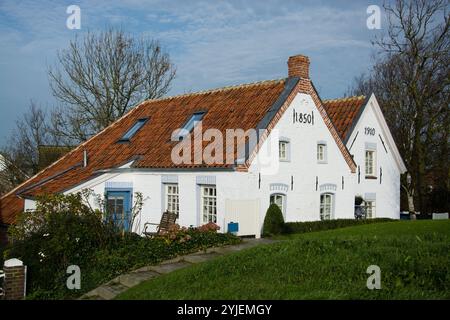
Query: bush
(273, 222)
(310, 226)
(63, 231)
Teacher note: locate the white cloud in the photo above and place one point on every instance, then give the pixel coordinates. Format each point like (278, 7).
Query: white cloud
(213, 43)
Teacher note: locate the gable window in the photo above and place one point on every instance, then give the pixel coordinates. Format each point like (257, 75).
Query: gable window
(322, 152)
(370, 163)
(283, 150)
(172, 199)
(279, 199)
(326, 206)
(209, 204)
(133, 130)
(190, 124)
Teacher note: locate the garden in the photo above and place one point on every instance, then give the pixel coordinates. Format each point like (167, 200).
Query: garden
(65, 231)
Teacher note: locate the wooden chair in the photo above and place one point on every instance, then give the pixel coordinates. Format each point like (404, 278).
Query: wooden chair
(167, 219)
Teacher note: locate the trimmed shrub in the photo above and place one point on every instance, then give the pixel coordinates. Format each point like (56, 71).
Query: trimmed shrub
(311, 226)
(273, 222)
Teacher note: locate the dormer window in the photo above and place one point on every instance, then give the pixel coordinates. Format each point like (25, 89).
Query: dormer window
(133, 130)
(190, 124)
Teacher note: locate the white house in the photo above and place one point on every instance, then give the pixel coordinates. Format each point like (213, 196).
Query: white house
(224, 155)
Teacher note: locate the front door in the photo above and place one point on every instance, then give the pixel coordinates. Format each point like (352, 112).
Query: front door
(118, 209)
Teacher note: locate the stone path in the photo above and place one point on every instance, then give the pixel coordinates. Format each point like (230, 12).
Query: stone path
(123, 282)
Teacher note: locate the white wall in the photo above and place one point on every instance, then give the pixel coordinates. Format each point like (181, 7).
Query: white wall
(151, 186)
(303, 202)
(388, 189)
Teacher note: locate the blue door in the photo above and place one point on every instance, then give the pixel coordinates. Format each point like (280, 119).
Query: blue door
(118, 207)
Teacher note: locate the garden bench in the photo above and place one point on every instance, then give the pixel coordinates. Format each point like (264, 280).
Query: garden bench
(167, 219)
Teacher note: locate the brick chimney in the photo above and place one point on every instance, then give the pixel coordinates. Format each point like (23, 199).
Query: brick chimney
(298, 66)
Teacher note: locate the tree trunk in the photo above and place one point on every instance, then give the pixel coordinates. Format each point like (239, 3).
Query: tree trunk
(411, 209)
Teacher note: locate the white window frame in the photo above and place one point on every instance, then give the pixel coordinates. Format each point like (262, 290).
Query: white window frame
(281, 205)
(172, 198)
(329, 205)
(370, 206)
(208, 204)
(321, 146)
(370, 163)
(284, 150)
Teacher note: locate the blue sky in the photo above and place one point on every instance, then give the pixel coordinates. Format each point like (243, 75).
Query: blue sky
(213, 43)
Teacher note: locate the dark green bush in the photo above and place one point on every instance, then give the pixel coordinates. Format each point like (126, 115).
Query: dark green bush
(310, 226)
(273, 222)
(63, 232)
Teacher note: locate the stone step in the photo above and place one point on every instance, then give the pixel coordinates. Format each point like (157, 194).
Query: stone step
(201, 257)
(133, 279)
(109, 292)
(169, 267)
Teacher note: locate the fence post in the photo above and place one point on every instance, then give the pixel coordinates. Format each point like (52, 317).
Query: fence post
(15, 281)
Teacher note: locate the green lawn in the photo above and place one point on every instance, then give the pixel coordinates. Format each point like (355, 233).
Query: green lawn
(414, 257)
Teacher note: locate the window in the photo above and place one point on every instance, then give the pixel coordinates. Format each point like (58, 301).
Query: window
(283, 150)
(278, 199)
(370, 163)
(370, 209)
(326, 206)
(134, 129)
(172, 199)
(322, 152)
(209, 204)
(190, 124)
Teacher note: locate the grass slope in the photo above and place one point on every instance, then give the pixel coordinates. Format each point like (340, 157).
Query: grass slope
(414, 257)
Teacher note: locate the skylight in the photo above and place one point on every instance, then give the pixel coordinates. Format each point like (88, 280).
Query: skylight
(190, 124)
(134, 129)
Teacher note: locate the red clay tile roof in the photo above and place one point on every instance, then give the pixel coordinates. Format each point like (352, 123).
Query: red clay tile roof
(344, 113)
(244, 106)
(240, 106)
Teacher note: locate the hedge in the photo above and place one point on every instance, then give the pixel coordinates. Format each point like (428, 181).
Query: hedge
(311, 226)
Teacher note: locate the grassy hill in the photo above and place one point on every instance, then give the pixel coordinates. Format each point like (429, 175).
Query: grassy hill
(414, 257)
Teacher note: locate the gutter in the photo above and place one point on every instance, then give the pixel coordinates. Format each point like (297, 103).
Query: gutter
(37, 184)
(136, 169)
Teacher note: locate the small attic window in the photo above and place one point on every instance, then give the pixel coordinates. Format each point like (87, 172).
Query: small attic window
(133, 130)
(190, 124)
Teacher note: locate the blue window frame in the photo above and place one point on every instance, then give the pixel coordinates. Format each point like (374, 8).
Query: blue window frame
(133, 130)
(190, 124)
(118, 208)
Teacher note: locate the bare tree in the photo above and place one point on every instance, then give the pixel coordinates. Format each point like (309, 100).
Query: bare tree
(411, 79)
(21, 155)
(102, 76)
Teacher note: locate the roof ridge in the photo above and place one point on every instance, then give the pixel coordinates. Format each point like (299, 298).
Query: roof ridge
(219, 89)
(360, 97)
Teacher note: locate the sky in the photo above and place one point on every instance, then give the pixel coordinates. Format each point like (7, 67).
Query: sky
(213, 43)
